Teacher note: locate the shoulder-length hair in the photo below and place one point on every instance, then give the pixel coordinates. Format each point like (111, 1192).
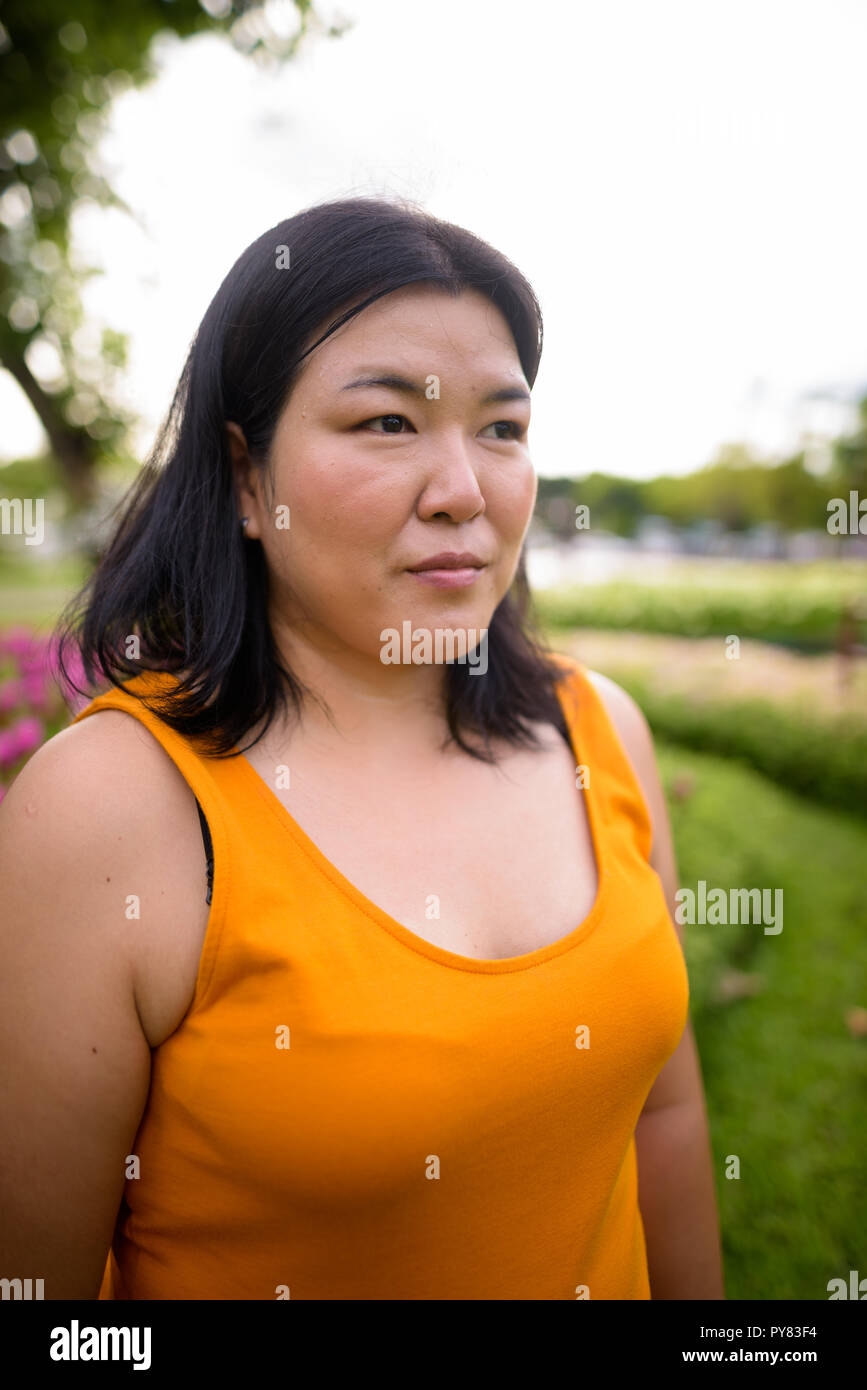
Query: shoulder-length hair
(177, 572)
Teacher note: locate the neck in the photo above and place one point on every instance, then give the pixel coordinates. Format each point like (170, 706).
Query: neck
(386, 708)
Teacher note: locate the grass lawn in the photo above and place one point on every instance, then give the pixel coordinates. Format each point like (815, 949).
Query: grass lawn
(785, 1076)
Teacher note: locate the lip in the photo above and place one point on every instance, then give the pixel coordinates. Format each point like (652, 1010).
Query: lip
(449, 570)
(448, 560)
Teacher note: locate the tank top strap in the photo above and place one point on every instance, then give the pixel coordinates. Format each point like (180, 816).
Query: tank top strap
(607, 771)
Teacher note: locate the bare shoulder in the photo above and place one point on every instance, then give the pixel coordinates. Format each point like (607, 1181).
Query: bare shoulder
(102, 781)
(102, 818)
(104, 774)
(92, 746)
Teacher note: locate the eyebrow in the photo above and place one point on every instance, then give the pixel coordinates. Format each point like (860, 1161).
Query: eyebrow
(400, 383)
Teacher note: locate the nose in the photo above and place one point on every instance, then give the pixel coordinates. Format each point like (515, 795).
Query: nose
(451, 486)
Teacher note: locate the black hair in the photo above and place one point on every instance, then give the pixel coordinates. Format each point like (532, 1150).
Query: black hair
(178, 572)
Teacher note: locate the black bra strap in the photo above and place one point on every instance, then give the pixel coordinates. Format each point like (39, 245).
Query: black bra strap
(209, 849)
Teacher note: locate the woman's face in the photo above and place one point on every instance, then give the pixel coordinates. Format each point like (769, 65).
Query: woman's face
(370, 480)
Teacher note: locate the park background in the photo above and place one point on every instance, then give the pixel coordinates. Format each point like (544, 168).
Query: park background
(683, 186)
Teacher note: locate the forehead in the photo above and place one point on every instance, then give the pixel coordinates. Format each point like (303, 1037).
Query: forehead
(420, 327)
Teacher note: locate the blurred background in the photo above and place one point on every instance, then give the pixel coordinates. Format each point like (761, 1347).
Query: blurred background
(683, 185)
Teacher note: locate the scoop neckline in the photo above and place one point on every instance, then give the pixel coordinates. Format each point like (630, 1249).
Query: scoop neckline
(452, 959)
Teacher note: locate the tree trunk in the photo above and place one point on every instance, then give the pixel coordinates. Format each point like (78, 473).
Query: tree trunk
(71, 445)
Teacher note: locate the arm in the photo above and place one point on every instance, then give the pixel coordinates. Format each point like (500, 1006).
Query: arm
(676, 1188)
(76, 837)
(676, 1191)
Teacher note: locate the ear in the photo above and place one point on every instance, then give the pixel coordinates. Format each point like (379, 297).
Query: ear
(246, 481)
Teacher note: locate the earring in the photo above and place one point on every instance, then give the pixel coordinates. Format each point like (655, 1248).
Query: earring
(244, 520)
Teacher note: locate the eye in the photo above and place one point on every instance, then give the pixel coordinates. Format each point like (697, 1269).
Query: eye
(516, 431)
(391, 419)
(392, 423)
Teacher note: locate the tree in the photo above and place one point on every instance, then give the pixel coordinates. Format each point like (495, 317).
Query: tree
(59, 72)
(850, 456)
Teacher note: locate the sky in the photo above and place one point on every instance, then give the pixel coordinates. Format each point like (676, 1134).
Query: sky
(681, 182)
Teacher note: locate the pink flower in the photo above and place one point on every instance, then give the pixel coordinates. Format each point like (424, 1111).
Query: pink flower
(58, 684)
(19, 642)
(31, 732)
(11, 694)
(19, 740)
(34, 689)
(33, 662)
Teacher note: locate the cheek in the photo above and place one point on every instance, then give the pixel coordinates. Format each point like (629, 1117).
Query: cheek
(510, 499)
(336, 499)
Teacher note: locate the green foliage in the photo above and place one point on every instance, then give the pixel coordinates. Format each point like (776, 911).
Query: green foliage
(736, 489)
(850, 457)
(797, 604)
(821, 758)
(60, 70)
(784, 1074)
(32, 477)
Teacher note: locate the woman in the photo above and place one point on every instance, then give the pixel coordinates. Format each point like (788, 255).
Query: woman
(420, 1031)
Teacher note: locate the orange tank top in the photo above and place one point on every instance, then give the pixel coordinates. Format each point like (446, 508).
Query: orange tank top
(347, 1111)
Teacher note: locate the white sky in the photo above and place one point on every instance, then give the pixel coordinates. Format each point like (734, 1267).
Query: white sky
(681, 181)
